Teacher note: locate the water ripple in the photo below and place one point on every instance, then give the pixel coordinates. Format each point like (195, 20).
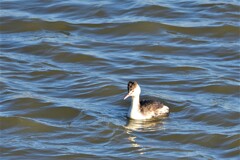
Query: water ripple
(65, 66)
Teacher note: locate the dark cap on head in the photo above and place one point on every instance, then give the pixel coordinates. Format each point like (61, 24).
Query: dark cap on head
(131, 85)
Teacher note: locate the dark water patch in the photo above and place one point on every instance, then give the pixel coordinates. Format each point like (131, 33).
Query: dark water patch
(87, 11)
(54, 114)
(76, 58)
(126, 28)
(231, 153)
(25, 125)
(39, 49)
(11, 60)
(149, 11)
(107, 91)
(190, 41)
(214, 140)
(163, 49)
(219, 89)
(25, 103)
(151, 28)
(232, 142)
(185, 69)
(215, 31)
(48, 75)
(76, 156)
(228, 54)
(220, 7)
(173, 82)
(32, 25)
(14, 66)
(122, 71)
(15, 153)
(215, 119)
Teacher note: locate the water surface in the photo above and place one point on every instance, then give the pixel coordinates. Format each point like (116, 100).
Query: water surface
(65, 67)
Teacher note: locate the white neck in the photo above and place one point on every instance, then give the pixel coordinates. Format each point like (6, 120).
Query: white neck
(134, 111)
(135, 102)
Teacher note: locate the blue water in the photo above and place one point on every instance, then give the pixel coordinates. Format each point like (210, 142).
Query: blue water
(65, 66)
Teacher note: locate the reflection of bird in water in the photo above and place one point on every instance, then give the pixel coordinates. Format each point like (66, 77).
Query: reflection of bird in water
(145, 109)
(144, 126)
(134, 144)
(141, 126)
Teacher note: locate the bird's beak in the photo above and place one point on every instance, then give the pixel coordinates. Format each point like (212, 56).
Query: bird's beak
(126, 96)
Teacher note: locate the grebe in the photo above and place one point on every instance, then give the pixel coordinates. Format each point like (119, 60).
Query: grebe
(145, 109)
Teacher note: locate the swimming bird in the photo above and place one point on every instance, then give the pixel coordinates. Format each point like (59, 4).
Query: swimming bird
(145, 109)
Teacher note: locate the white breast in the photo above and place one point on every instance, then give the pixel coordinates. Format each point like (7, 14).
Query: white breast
(136, 114)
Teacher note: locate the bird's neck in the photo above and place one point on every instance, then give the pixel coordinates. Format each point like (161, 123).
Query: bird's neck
(135, 103)
(134, 111)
